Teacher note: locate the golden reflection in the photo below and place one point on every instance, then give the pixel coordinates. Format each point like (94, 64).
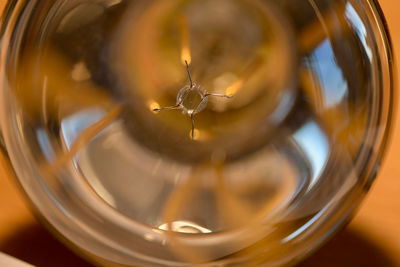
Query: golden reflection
(41, 90)
(80, 73)
(196, 135)
(185, 40)
(245, 224)
(47, 91)
(323, 27)
(237, 85)
(153, 105)
(234, 87)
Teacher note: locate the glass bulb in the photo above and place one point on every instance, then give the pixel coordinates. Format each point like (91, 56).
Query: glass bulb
(286, 109)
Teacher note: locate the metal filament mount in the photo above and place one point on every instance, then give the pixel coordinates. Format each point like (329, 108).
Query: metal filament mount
(191, 99)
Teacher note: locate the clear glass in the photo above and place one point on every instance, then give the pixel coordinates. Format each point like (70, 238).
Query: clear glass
(209, 132)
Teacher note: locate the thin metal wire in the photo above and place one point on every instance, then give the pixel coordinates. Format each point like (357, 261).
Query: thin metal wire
(219, 95)
(189, 75)
(192, 118)
(177, 106)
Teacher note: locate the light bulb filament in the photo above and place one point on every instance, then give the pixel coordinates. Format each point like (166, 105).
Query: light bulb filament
(191, 99)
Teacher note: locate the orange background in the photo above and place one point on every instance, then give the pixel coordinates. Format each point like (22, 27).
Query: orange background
(372, 239)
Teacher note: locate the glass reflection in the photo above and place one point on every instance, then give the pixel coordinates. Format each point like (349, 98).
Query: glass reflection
(359, 27)
(312, 141)
(333, 85)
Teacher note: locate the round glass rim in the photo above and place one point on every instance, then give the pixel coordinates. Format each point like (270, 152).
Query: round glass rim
(342, 212)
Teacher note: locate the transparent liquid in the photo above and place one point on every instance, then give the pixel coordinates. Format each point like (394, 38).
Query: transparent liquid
(264, 166)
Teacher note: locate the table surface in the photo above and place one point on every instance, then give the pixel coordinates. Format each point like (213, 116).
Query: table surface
(371, 239)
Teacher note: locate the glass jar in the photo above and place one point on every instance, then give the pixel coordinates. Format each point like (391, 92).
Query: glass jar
(173, 133)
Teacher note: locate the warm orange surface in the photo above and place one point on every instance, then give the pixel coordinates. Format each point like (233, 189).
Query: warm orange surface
(372, 239)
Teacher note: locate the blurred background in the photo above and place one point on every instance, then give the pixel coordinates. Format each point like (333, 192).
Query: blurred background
(371, 239)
